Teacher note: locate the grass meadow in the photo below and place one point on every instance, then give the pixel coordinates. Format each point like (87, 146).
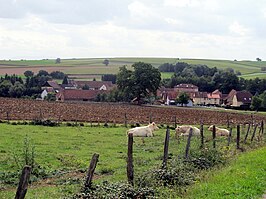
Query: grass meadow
(69, 149)
(92, 66)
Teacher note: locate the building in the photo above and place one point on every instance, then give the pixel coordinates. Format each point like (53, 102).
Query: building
(238, 99)
(94, 85)
(190, 88)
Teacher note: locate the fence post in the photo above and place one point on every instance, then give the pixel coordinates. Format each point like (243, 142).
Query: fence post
(201, 136)
(188, 142)
(228, 122)
(130, 169)
(175, 121)
(260, 131)
(245, 140)
(166, 144)
(125, 120)
(7, 116)
(254, 132)
(238, 136)
(23, 183)
(229, 136)
(214, 136)
(91, 170)
(150, 118)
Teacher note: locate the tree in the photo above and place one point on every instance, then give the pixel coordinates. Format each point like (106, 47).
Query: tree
(140, 83)
(4, 88)
(109, 77)
(57, 75)
(86, 87)
(43, 73)
(106, 62)
(28, 73)
(65, 80)
(258, 59)
(17, 90)
(182, 99)
(256, 103)
(58, 61)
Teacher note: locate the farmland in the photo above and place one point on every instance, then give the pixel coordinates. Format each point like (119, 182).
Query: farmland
(94, 66)
(22, 109)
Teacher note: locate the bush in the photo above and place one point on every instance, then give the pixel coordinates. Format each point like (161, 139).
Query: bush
(116, 190)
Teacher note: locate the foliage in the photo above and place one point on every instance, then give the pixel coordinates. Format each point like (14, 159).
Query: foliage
(86, 87)
(28, 73)
(183, 98)
(109, 77)
(58, 61)
(57, 75)
(116, 190)
(256, 103)
(140, 83)
(65, 80)
(106, 62)
(42, 73)
(50, 97)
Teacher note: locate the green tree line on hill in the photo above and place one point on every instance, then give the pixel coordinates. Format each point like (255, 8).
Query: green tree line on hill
(209, 79)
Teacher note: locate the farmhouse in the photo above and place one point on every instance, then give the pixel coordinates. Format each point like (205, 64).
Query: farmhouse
(78, 95)
(51, 86)
(238, 99)
(95, 85)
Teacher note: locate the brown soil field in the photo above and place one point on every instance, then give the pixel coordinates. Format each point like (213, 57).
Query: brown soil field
(22, 109)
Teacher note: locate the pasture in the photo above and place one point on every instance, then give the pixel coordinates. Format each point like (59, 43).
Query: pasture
(94, 66)
(64, 153)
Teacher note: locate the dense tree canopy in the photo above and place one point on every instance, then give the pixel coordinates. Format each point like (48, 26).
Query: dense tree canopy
(140, 83)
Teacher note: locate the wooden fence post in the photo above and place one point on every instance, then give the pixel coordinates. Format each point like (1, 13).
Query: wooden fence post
(254, 132)
(125, 120)
(23, 183)
(91, 170)
(245, 140)
(229, 136)
(214, 136)
(130, 166)
(7, 116)
(260, 131)
(238, 136)
(175, 122)
(150, 118)
(201, 136)
(228, 122)
(166, 145)
(188, 143)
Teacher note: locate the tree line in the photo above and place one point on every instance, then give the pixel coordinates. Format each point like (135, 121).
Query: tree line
(14, 86)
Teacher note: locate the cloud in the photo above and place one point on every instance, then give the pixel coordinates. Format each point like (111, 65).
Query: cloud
(238, 29)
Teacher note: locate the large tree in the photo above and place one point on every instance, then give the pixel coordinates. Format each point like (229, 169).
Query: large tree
(140, 83)
(183, 98)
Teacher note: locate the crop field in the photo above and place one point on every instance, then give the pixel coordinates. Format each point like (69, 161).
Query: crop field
(94, 66)
(22, 109)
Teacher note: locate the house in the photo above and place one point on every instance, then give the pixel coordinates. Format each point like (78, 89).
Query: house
(78, 95)
(238, 99)
(186, 88)
(51, 86)
(200, 98)
(214, 98)
(95, 85)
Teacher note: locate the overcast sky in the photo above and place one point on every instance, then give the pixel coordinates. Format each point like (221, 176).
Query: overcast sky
(215, 29)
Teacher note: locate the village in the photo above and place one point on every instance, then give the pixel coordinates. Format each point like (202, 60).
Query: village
(74, 91)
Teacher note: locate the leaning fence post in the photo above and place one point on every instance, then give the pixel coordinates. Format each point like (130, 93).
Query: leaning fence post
(214, 136)
(201, 136)
(238, 136)
(245, 140)
(254, 132)
(260, 131)
(188, 142)
(175, 121)
(23, 183)
(229, 136)
(91, 170)
(166, 144)
(130, 166)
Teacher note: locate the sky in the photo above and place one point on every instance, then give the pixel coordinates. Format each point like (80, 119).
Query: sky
(205, 29)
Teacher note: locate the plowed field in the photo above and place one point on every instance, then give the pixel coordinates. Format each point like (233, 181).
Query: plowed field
(21, 109)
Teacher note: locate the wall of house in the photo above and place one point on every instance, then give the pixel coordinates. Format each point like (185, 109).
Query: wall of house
(235, 102)
(200, 101)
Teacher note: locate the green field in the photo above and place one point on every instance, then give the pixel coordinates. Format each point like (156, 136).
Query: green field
(68, 149)
(248, 69)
